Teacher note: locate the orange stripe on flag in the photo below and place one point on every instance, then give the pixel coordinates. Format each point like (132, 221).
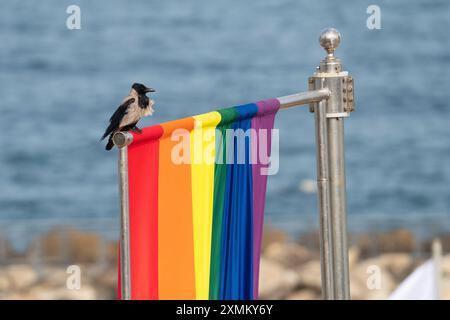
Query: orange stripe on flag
(176, 278)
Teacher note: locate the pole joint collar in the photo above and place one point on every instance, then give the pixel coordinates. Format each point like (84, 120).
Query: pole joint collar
(122, 139)
(338, 115)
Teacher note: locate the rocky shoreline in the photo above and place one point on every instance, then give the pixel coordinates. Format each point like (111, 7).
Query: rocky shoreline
(290, 268)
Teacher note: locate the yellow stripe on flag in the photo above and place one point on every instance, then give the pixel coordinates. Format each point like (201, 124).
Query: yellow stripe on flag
(203, 143)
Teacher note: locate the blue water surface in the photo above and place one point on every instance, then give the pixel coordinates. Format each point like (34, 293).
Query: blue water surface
(58, 87)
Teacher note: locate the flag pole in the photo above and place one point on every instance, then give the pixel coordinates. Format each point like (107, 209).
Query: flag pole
(331, 167)
(323, 191)
(122, 140)
(298, 99)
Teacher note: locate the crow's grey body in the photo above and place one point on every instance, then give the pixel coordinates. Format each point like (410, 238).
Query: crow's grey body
(133, 108)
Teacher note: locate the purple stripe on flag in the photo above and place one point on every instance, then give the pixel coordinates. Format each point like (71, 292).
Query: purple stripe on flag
(264, 119)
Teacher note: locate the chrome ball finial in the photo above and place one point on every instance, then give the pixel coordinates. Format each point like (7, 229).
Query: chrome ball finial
(329, 40)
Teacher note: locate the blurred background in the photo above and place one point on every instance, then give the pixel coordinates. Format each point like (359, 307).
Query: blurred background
(58, 87)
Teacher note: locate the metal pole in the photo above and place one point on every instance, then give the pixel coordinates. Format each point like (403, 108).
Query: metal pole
(301, 98)
(121, 140)
(326, 256)
(340, 103)
(437, 259)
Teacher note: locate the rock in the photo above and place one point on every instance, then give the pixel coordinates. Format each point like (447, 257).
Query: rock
(112, 250)
(400, 265)
(20, 276)
(271, 235)
(361, 287)
(353, 256)
(400, 240)
(310, 276)
(67, 246)
(84, 247)
(20, 296)
(392, 268)
(5, 284)
(49, 286)
(446, 288)
(366, 244)
(46, 292)
(445, 265)
(49, 246)
(54, 276)
(310, 240)
(275, 281)
(305, 294)
(86, 292)
(6, 250)
(108, 279)
(365, 285)
(290, 254)
(358, 286)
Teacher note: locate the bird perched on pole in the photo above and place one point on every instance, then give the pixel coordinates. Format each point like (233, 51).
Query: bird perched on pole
(134, 107)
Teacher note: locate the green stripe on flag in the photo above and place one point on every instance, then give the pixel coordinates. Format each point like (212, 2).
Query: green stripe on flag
(220, 174)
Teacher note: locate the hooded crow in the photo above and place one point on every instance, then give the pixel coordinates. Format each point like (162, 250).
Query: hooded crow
(134, 107)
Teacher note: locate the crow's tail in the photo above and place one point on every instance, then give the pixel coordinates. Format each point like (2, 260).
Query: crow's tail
(110, 143)
(107, 132)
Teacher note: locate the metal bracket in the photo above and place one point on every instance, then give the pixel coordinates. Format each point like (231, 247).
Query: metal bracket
(347, 93)
(338, 115)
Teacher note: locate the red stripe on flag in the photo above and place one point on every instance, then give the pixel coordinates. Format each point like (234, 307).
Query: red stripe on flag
(143, 167)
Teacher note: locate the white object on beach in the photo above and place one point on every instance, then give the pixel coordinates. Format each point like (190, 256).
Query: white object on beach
(419, 285)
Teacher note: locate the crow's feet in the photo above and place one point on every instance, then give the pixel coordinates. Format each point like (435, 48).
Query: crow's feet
(137, 130)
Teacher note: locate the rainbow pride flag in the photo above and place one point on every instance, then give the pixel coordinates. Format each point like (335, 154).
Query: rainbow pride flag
(196, 211)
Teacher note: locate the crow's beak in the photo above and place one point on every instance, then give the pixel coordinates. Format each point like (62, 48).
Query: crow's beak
(149, 90)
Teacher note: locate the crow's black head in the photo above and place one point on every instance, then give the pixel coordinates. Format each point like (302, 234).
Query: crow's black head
(141, 89)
